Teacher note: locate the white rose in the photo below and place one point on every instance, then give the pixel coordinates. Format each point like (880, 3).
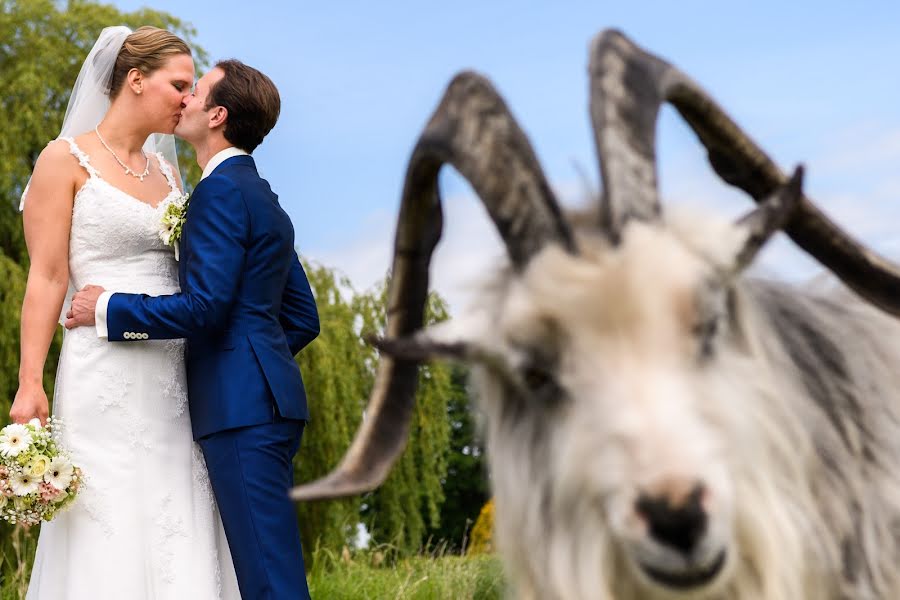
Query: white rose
(38, 465)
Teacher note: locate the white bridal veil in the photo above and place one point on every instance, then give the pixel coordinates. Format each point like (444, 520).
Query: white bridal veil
(90, 96)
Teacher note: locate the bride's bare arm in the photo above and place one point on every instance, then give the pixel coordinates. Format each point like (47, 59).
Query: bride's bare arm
(48, 220)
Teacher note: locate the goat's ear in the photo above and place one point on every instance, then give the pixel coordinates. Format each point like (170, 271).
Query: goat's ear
(420, 348)
(771, 215)
(450, 340)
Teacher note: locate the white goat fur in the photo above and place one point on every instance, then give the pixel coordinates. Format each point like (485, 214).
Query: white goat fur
(801, 462)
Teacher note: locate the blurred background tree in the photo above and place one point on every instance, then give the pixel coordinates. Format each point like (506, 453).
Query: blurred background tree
(337, 374)
(401, 511)
(465, 484)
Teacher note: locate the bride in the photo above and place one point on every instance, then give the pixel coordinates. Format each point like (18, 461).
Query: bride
(145, 524)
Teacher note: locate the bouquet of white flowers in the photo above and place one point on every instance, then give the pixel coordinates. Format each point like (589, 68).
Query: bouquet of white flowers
(37, 477)
(172, 221)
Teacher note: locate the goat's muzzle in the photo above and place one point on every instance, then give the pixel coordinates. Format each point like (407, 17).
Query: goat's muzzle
(678, 549)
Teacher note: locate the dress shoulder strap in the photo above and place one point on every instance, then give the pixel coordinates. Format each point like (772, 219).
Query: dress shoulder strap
(83, 158)
(166, 169)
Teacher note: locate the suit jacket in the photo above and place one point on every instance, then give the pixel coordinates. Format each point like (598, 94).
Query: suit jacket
(245, 304)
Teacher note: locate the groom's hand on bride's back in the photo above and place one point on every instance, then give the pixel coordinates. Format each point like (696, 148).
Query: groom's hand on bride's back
(84, 306)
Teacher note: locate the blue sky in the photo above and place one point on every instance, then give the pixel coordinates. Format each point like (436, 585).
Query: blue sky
(811, 82)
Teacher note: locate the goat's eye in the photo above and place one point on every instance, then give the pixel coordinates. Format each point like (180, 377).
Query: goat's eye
(540, 382)
(714, 305)
(535, 377)
(706, 332)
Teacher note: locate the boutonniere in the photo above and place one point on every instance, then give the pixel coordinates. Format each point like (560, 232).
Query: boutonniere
(173, 220)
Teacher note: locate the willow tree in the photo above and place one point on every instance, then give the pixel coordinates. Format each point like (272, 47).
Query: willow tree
(337, 375)
(339, 370)
(402, 510)
(466, 486)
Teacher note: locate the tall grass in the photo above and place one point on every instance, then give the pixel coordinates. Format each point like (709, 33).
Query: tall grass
(17, 546)
(376, 574)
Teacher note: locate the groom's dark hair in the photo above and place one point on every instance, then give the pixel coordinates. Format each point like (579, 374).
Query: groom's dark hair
(252, 102)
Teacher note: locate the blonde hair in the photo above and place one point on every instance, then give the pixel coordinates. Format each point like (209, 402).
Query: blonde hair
(147, 49)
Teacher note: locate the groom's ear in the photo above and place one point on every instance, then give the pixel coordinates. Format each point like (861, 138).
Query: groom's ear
(218, 116)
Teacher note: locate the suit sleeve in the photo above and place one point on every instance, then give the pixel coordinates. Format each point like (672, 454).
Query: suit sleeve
(299, 317)
(216, 235)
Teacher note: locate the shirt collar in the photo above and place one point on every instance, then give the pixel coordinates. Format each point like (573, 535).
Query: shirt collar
(219, 158)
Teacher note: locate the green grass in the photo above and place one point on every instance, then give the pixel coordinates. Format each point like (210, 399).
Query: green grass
(17, 548)
(446, 577)
(365, 575)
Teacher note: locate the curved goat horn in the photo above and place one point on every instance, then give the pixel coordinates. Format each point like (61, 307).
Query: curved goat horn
(625, 101)
(473, 130)
(628, 85)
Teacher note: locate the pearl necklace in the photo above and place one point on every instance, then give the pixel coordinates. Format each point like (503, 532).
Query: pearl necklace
(128, 170)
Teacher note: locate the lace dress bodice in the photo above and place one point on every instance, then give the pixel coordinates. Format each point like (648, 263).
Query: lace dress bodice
(114, 241)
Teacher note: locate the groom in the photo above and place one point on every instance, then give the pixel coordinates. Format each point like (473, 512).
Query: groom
(246, 309)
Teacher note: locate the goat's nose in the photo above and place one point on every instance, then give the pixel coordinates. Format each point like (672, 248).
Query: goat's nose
(675, 522)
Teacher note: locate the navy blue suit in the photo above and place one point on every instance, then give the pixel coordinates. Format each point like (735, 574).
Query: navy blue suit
(246, 309)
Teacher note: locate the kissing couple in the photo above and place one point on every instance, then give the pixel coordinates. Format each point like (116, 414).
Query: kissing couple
(177, 386)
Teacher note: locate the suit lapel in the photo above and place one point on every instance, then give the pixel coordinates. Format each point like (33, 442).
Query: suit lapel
(244, 160)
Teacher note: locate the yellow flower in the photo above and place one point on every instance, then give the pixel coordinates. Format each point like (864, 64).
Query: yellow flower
(482, 540)
(39, 465)
(3, 501)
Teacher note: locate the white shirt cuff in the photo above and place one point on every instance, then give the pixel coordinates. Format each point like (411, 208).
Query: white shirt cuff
(100, 314)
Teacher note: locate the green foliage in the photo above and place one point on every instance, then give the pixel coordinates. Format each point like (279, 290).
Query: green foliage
(339, 370)
(363, 575)
(12, 289)
(337, 380)
(17, 546)
(401, 511)
(465, 484)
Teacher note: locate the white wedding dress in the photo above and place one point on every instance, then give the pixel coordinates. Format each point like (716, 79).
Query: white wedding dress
(145, 524)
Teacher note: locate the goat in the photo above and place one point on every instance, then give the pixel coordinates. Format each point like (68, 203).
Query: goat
(659, 425)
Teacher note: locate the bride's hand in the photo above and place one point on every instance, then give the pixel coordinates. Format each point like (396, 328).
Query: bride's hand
(30, 403)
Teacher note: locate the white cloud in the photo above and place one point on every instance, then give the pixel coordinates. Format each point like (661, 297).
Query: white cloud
(362, 255)
(861, 149)
(469, 244)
